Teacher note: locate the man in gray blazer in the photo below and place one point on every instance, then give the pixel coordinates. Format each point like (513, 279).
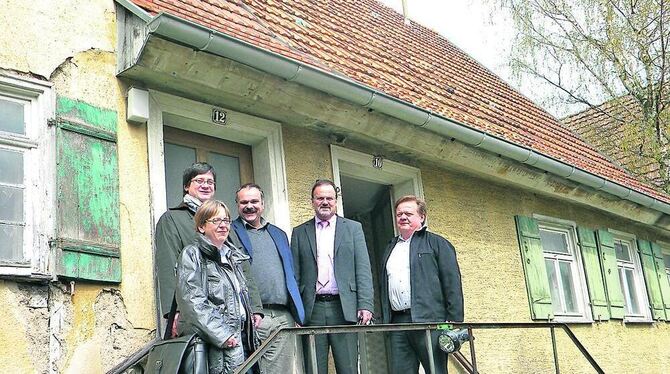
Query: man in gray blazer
(333, 273)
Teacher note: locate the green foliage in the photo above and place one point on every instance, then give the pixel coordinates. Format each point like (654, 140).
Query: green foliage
(593, 51)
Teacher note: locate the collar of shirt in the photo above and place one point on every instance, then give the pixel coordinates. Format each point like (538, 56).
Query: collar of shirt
(400, 239)
(331, 220)
(247, 225)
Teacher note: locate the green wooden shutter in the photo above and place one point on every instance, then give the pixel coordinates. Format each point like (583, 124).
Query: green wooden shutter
(651, 279)
(87, 187)
(594, 275)
(662, 278)
(537, 283)
(610, 274)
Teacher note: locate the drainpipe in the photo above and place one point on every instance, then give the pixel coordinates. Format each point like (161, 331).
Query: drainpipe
(200, 38)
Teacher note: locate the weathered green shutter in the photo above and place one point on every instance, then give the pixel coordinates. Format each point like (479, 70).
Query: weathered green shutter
(537, 283)
(651, 279)
(594, 275)
(662, 278)
(610, 274)
(87, 187)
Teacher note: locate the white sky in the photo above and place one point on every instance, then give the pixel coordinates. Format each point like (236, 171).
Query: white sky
(472, 26)
(465, 23)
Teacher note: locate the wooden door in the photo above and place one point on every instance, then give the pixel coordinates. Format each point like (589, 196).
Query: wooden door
(231, 161)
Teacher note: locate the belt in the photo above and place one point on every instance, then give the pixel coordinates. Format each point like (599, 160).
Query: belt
(274, 306)
(404, 311)
(327, 297)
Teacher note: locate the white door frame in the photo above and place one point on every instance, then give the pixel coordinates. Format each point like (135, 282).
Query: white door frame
(406, 180)
(263, 136)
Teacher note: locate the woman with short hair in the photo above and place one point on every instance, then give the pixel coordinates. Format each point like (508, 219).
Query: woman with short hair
(212, 295)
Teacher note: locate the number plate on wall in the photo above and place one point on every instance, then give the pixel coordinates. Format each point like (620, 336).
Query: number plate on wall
(219, 116)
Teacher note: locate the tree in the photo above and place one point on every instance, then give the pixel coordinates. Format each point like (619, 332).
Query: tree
(595, 51)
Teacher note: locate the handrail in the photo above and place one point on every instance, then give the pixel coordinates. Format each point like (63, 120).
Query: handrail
(314, 330)
(460, 358)
(134, 358)
(471, 367)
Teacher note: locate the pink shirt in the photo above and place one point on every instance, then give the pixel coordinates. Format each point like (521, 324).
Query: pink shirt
(325, 254)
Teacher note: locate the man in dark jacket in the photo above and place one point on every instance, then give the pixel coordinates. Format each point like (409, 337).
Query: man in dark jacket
(271, 262)
(412, 261)
(176, 229)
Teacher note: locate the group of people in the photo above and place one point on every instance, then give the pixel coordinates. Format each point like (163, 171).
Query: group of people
(234, 282)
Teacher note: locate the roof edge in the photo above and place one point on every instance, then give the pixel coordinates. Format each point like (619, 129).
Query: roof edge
(135, 9)
(204, 39)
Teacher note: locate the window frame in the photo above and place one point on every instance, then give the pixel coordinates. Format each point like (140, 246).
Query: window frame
(577, 267)
(640, 285)
(37, 146)
(665, 251)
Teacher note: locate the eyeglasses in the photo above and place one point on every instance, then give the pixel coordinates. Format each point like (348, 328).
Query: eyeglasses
(218, 221)
(201, 181)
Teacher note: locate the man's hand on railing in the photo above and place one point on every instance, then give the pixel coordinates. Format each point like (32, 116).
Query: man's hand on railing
(364, 317)
(258, 318)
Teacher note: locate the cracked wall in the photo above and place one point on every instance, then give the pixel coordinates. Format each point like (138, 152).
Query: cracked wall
(71, 43)
(41, 34)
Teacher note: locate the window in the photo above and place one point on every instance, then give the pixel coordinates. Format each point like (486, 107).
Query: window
(552, 263)
(666, 262)
(560, 258)
(630, 278)
(25, 105)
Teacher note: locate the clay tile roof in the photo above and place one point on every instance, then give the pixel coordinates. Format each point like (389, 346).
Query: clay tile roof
(608, 127)
(370, 43)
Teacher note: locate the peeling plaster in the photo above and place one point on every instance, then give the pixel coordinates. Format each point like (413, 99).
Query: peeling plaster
(91, 324)
(24, 340)
(56, 31)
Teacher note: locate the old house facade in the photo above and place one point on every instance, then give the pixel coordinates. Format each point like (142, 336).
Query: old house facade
(100, 120)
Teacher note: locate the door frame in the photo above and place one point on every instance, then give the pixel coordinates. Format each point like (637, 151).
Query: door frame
(404, 179)
(264, 137)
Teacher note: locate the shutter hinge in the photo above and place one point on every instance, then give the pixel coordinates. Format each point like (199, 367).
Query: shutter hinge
(52, 122)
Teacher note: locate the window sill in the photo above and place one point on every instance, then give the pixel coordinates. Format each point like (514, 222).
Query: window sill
(573, 320)
(27, 278)
(636, 321)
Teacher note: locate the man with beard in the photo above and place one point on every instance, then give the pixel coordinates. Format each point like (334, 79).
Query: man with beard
(333, 272)
(271, 262)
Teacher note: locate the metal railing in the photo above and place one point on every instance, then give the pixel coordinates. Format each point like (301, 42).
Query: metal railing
(469, 366)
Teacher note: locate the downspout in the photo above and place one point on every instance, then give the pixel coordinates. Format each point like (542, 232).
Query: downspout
(198, 37)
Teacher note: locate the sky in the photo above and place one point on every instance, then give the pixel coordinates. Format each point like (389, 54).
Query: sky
(467, 24)
(474, 27)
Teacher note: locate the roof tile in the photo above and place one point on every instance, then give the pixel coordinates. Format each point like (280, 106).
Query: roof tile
(371, 44)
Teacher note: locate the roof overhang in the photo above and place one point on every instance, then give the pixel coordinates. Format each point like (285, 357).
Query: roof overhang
(169, 53)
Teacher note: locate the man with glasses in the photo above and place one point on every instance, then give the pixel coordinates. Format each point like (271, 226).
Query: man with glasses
(333, 272)
(272, 270)
(176, 229)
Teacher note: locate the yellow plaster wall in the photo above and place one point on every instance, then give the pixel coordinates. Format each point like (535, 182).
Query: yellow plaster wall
(91, 78)
(15, 351)
(40, 35)
(307, 156)
(72, 43)
(477, 216)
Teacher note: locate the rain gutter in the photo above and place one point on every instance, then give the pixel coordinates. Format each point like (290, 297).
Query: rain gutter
(200, 38)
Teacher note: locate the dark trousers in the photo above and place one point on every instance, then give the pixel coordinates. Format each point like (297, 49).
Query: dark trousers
(408, 348)
(344, 346)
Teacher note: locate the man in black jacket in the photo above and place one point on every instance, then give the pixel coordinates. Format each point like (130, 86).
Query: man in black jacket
(176, 229)
(421, 282)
